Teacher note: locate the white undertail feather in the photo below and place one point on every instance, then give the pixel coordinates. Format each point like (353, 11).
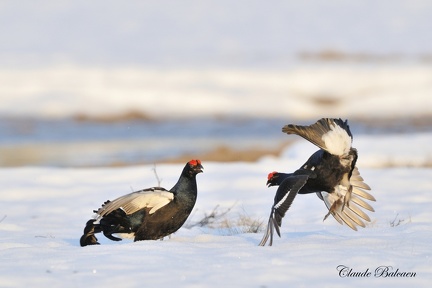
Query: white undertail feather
(125, 235)
(337, 141)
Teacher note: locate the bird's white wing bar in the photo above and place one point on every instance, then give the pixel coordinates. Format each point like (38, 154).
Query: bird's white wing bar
(332, 135)
(153, 198)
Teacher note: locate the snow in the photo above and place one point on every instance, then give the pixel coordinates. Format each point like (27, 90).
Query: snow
(297, 93)
(208, 32)
(199, 62)
(45, 209)
(210, 58)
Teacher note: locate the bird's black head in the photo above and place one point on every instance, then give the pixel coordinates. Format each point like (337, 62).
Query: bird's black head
(272, 179)
(193, 167)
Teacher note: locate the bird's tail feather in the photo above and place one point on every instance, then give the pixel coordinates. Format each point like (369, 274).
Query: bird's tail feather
(88, 237)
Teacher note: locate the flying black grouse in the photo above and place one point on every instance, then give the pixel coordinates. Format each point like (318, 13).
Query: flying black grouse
(330, 173)
(148, 214)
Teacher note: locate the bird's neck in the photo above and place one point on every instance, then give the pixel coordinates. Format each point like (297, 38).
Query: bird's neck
(185, 191)
(186, 185)
(282, 177)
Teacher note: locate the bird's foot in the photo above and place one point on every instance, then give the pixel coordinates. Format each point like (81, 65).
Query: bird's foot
(335, 206)
(346, 198)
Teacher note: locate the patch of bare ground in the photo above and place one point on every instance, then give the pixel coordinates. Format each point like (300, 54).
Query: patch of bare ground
(131, 115)
(228, 154)
(326, 100)
(333, 55)
(40, 154)
(425, 58)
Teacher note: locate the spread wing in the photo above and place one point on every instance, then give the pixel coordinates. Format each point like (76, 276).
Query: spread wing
(331, 135)
(351, 214)
(154, 198)
(285, 195)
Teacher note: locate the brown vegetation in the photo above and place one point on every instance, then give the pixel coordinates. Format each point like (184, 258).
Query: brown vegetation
(217, 219)
(332, 55)
(227, 154)
(132, 115)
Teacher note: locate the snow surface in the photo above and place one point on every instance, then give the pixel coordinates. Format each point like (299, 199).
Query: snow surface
(214, 58)
(203, 58)
(296, 93)
(43, 212)
(207, 32)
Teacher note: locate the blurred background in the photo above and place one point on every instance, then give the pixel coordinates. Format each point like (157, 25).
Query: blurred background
(113, 83)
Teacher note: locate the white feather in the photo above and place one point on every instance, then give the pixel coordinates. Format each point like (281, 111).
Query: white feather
(154, 198)
(125, 235)
(282, 200)
(337, 141)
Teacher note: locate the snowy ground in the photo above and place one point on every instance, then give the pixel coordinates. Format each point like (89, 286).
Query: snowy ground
(304, 92)
(211, 60)
(44, 211)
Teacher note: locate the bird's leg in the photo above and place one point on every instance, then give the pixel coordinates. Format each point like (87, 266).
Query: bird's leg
(346, 188)
(334, 207)
(347, 197)
(330, 210)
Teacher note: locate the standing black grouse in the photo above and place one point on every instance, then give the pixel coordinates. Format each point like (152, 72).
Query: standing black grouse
(148, 214)
(330, 173)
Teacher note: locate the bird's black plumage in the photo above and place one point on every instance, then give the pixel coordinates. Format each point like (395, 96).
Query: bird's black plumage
(148, 214)
(287, 191)
(330, 172)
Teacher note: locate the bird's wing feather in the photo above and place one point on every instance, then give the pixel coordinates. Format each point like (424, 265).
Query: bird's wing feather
(154, 198)
(354, 208)
(350, 213)
(285, 195)
(359, 185)
(360, 202)
(334, 203)
(331, 135)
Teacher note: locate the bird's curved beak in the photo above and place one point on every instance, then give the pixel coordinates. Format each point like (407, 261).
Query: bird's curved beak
(198, 168)
(270, 177)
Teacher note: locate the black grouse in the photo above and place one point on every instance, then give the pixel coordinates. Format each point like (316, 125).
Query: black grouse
(330, 173)
(148, 214)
